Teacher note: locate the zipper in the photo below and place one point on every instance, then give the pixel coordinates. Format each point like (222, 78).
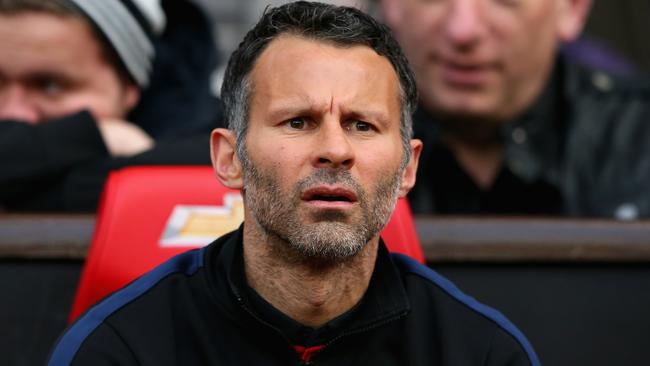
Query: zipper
(240, 300)
(356, 331)
(396, 317)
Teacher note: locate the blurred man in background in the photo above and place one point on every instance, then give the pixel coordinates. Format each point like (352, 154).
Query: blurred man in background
(86, 84)
(509, 125)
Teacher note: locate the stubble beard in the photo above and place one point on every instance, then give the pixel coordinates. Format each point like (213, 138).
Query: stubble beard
(330, 235)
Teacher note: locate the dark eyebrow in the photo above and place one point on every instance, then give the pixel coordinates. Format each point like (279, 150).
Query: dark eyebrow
(304, 106)
(44, 75)
(294, 107)
(283, 113)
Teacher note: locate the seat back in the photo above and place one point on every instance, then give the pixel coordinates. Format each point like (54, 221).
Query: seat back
(149, 214)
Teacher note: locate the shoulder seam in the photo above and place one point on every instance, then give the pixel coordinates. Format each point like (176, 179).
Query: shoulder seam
(450, 289)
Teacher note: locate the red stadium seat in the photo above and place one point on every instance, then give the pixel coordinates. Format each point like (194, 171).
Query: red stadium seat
(149, 214)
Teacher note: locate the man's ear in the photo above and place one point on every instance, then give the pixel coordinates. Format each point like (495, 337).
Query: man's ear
(223, 151)
(408, 176)
(572, 17)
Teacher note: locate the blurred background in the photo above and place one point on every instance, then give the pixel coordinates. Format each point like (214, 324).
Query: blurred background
(620, 25)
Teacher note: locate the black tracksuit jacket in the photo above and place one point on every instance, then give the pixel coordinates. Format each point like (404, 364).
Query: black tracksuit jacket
(196, 309)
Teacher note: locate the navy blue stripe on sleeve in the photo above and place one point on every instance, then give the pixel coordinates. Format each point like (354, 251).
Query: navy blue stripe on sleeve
(423, 271)
(67, 347)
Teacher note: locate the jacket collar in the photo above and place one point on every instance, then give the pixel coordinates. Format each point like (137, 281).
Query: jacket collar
(385, 299)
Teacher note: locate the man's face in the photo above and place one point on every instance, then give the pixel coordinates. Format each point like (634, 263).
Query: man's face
(52, 66)
(485, 59)
(324, 152)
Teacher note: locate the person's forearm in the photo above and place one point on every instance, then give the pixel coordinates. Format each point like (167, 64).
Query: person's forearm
(31, 155)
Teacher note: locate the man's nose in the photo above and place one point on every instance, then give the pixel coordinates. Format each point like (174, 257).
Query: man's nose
(15, 104)
(332, 146)
(466, 22)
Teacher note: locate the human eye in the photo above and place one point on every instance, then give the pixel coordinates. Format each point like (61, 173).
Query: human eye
(360, 126)
(49, 85)
(297, 123)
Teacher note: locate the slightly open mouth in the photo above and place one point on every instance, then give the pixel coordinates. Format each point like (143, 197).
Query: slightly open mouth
(328, 198)
(329, 194)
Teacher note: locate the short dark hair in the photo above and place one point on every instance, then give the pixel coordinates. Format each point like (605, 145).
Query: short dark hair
(339, 25)
(65, 8)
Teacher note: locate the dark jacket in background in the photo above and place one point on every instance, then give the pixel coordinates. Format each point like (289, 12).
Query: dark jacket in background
(583, 150)
(179, 102)
(197, 309)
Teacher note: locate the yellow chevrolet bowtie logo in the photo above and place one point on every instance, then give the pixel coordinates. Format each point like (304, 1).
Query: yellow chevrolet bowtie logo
(195, 226)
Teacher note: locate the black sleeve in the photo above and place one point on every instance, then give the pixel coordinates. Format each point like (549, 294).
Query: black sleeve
(505, 350)
(104, 347)
(62, 165)
(80, 189)
(33, 156)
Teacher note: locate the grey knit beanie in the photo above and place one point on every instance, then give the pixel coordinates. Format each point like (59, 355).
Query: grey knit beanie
(130, 26)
